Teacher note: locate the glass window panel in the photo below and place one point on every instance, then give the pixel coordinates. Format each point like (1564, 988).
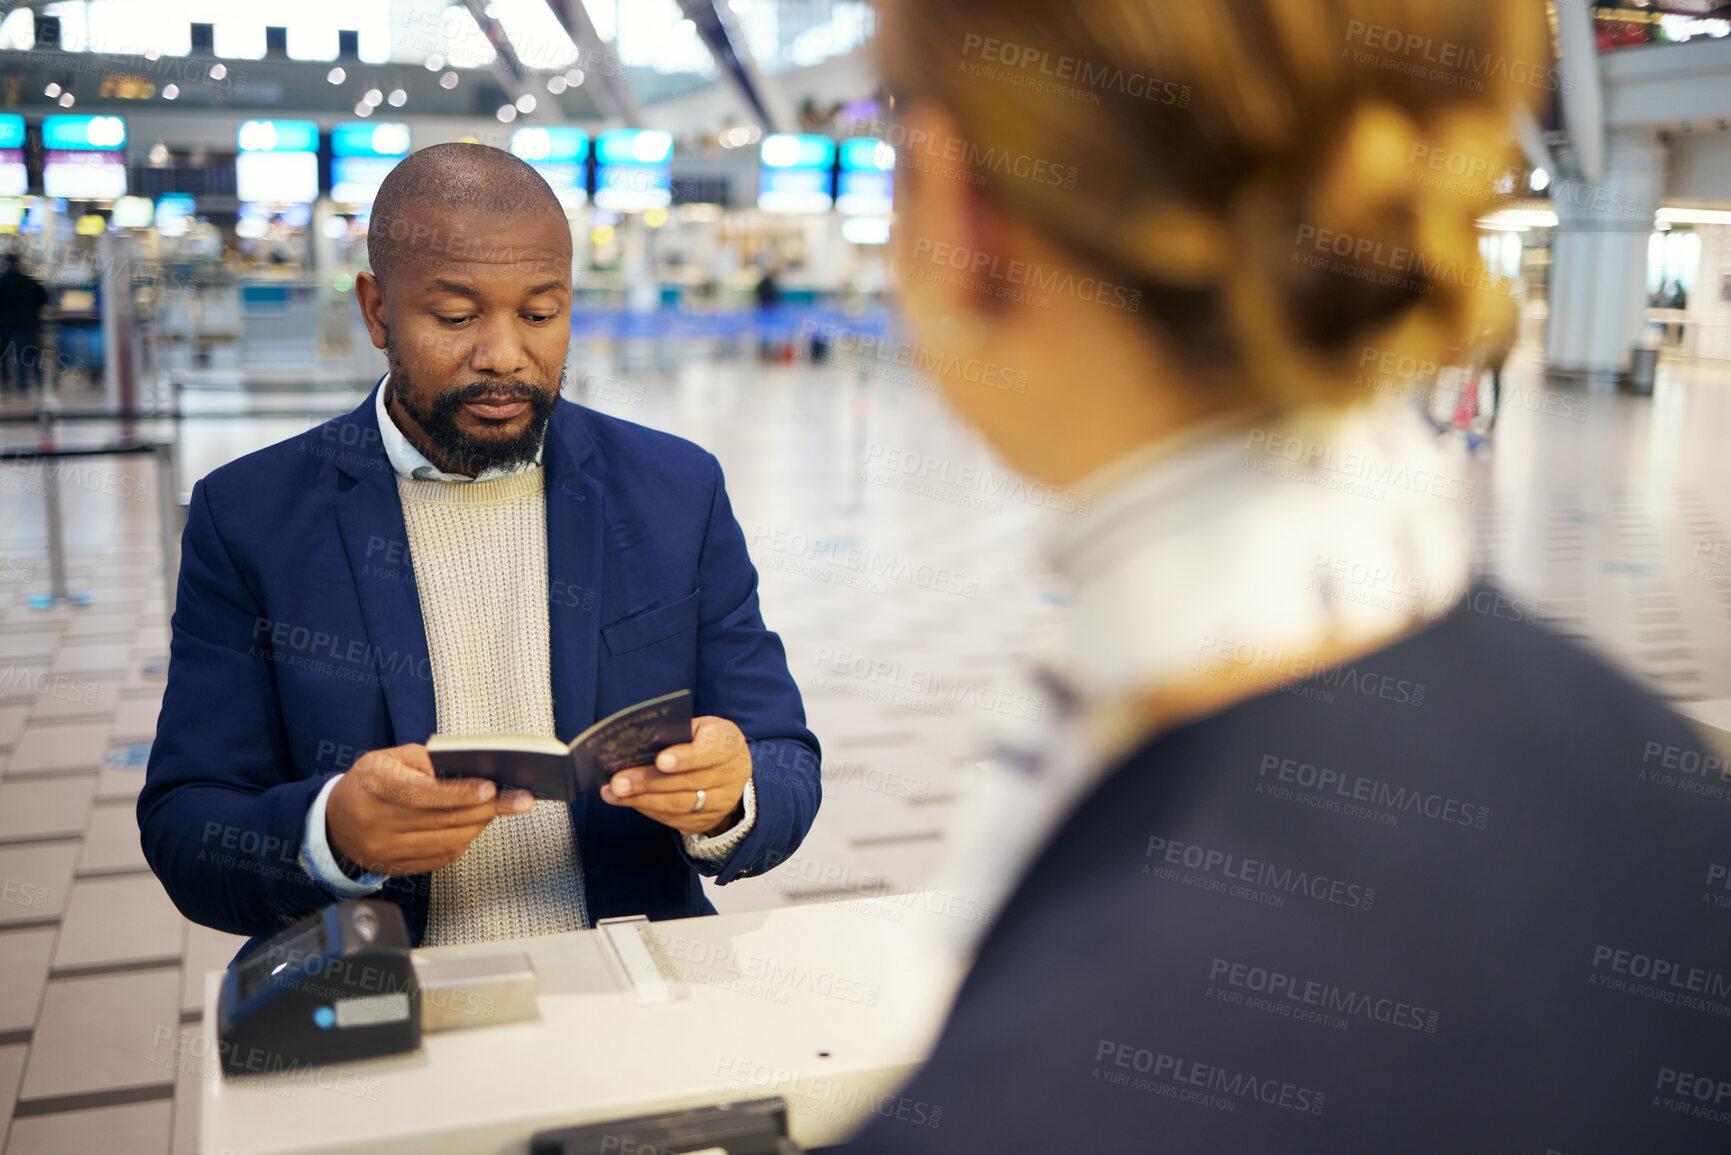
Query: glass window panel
(239, 38)
(602, 14)
(849, 26)
(784, 34)
(312, 27)
(540, 40)
(459, 40)
(122, 29)
(73, 35)
(18, 31)
(135, 27)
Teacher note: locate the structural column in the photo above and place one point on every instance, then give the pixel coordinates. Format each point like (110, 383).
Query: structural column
(1598, 290)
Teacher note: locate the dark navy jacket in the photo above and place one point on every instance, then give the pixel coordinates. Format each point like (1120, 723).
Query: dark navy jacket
(298, 645)
(1467, 896)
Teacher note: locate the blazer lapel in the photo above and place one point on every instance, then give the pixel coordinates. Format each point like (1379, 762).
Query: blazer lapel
(576, 515)
(370, 518)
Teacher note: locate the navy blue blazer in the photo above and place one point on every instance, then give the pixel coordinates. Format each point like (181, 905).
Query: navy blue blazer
(1465, 895)
(298, 645)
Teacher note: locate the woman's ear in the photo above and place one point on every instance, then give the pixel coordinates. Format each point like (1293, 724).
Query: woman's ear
(944, 235)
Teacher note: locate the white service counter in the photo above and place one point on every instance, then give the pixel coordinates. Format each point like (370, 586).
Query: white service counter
(828, 1006)
(1713, 718)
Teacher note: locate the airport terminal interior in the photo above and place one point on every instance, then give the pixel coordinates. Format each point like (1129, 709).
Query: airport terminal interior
(190, 183)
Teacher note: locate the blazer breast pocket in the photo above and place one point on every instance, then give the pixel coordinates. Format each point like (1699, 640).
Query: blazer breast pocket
(640, 631)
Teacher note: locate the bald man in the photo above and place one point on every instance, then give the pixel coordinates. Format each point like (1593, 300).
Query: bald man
(465, 552)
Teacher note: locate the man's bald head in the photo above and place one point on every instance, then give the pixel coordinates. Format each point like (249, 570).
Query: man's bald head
(449, 179)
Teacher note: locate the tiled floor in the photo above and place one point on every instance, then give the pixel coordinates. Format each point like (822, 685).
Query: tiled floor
(1604, 521)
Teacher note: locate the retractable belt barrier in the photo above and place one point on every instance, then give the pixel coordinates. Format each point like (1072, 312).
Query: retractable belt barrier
(168, 508)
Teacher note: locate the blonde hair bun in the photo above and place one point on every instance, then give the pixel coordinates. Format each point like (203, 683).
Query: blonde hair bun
(1288, 182)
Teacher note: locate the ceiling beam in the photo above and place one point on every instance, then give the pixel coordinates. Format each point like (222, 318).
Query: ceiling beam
(726, 42)
(611, 90)
(508, 66)
(1583, 95)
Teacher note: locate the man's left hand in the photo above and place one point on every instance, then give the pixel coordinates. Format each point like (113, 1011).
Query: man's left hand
(715, 761)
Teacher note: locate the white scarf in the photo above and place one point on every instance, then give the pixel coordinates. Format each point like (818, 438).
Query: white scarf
(1269, 537)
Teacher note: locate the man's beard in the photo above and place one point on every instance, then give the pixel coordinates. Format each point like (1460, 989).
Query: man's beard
(460, 452)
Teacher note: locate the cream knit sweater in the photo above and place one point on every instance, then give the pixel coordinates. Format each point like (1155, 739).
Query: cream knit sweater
(480, 555)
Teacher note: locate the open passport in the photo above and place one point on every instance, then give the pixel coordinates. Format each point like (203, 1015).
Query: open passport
(557, 771)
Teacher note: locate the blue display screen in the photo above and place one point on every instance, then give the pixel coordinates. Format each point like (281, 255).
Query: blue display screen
(866, 193)
(278, 136)
(83, 133)
(634, 146)
(867, 154)
(550, 145)
(365, 138)
(782, 150)
(355, 180)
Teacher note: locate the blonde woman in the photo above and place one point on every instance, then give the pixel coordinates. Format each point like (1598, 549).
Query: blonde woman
(1335, 848)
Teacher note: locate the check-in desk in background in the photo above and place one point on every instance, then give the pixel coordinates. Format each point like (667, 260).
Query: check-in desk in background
(831, 1007)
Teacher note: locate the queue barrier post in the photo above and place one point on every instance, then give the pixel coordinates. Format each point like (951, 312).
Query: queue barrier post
(58, 593)
(169, 523)
(48, 453)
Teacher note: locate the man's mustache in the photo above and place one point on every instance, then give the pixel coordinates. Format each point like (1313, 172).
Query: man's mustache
(513, 390)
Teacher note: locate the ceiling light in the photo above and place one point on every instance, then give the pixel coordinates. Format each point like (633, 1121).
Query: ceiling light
(556, 85)
(1683, 216)
(67, 99)
(526, 103)
(336, 76)
(51, 91)
(363, 109)
(218, 71)
(398, 98)
(574, 77)
(1519, 220)
(449, 80)
(435, 62)
(170, 91)
(506, 113)
(373, 96)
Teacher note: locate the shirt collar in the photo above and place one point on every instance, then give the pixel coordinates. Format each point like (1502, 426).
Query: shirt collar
(411, 463)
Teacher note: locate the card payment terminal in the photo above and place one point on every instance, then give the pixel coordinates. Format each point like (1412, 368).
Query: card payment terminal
(338, 985)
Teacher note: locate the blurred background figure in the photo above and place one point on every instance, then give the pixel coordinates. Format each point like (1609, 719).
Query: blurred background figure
(768, 290)
(22, 298)
(1323, 847)
(772, 345)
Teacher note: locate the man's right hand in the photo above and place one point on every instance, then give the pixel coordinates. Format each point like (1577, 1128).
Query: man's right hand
(390, 814)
